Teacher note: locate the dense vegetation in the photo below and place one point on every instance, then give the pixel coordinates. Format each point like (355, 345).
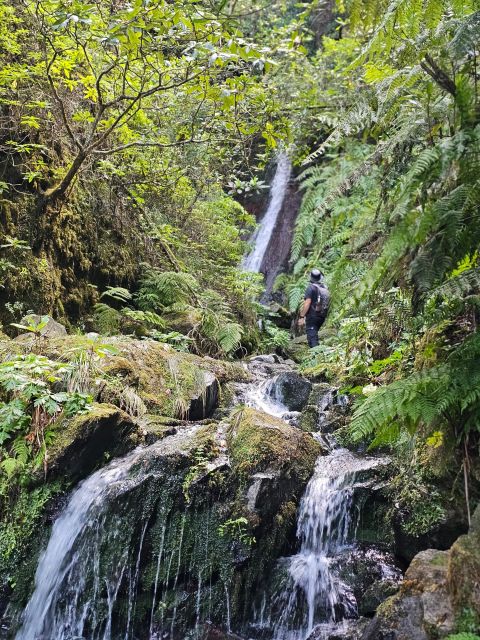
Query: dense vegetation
(134, 141)
(391, 212)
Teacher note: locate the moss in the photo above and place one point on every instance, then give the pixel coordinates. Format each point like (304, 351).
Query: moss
(258, 442)
(24, 527)
(309, 418)
(83, 442)
(464, 572)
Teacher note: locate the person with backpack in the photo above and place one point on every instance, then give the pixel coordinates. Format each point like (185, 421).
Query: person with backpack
(315, 307)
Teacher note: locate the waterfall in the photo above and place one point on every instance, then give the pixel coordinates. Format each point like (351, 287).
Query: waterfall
(129, 558)
(87, 580)
(313, 592)
(266, 397)
(261, 238)
(307, 591)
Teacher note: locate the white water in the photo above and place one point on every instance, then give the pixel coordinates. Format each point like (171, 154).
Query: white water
(91, 553)
(94, 553)
(261, 238)
(265, 397)
(312, 587)
(60, 557)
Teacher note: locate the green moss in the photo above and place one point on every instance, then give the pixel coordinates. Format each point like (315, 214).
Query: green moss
(463, 572)
(258, 442)
(23, 530)
(67, 430)
(309, 418)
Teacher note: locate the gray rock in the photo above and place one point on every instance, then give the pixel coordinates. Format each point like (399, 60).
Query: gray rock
(204, 404)
(406, 625)
(422, 610)
(270, 358)
(345, 630)
(259, 489)
(292, 390)
(52, 329)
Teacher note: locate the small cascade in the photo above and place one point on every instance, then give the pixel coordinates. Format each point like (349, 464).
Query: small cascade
(125, 522)
(308, 591)
(313, 592)
(261, 238)
(266, 397)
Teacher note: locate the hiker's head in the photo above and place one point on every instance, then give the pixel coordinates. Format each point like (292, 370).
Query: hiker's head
(316, 275)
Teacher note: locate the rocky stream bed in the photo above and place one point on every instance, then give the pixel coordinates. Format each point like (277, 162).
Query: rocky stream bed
(209, 500)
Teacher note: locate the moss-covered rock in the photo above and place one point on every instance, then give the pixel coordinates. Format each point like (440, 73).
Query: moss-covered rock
(87, 440)
(439, 587)
(259, 442)
(464, 569)
(422, 609)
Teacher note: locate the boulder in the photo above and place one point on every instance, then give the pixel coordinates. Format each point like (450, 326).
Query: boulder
(372, 575)
(210, 632)
(345, 630)
(52, 329)
(82, 442)
(274, 458)
(291, 390)
(423, 608)
(464, 568)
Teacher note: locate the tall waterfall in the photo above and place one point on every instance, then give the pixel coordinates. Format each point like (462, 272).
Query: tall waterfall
(260, 241)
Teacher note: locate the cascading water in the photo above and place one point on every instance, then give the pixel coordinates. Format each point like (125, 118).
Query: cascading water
(261, 238)
(313, 592)
(123, 531)
(307, 591)
(129, 559)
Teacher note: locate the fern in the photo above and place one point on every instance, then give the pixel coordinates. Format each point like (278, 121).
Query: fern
(117, 293)
(166, 288)
(449, 392)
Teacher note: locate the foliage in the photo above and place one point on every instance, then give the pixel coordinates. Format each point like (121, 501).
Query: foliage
(31, 404)
(237, 529)
(18, 522)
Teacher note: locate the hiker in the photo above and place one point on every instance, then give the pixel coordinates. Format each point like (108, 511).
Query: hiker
(315, 307)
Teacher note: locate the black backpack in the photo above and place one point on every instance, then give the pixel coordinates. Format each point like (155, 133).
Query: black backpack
(323, 299)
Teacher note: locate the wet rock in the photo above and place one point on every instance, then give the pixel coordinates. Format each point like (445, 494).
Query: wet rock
(309, 418)
(291, 390)
(210, 632)
(423, 608)
(275, 458)
(206, 401)
(371, 574)
(52, 329)
(266, 358)
(259, 489)
(82, 442)
(346, 630)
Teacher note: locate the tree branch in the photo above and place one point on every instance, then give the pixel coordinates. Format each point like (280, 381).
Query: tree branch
(439, 75)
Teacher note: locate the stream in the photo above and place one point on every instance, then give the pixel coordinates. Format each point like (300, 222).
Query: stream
(97, 548)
